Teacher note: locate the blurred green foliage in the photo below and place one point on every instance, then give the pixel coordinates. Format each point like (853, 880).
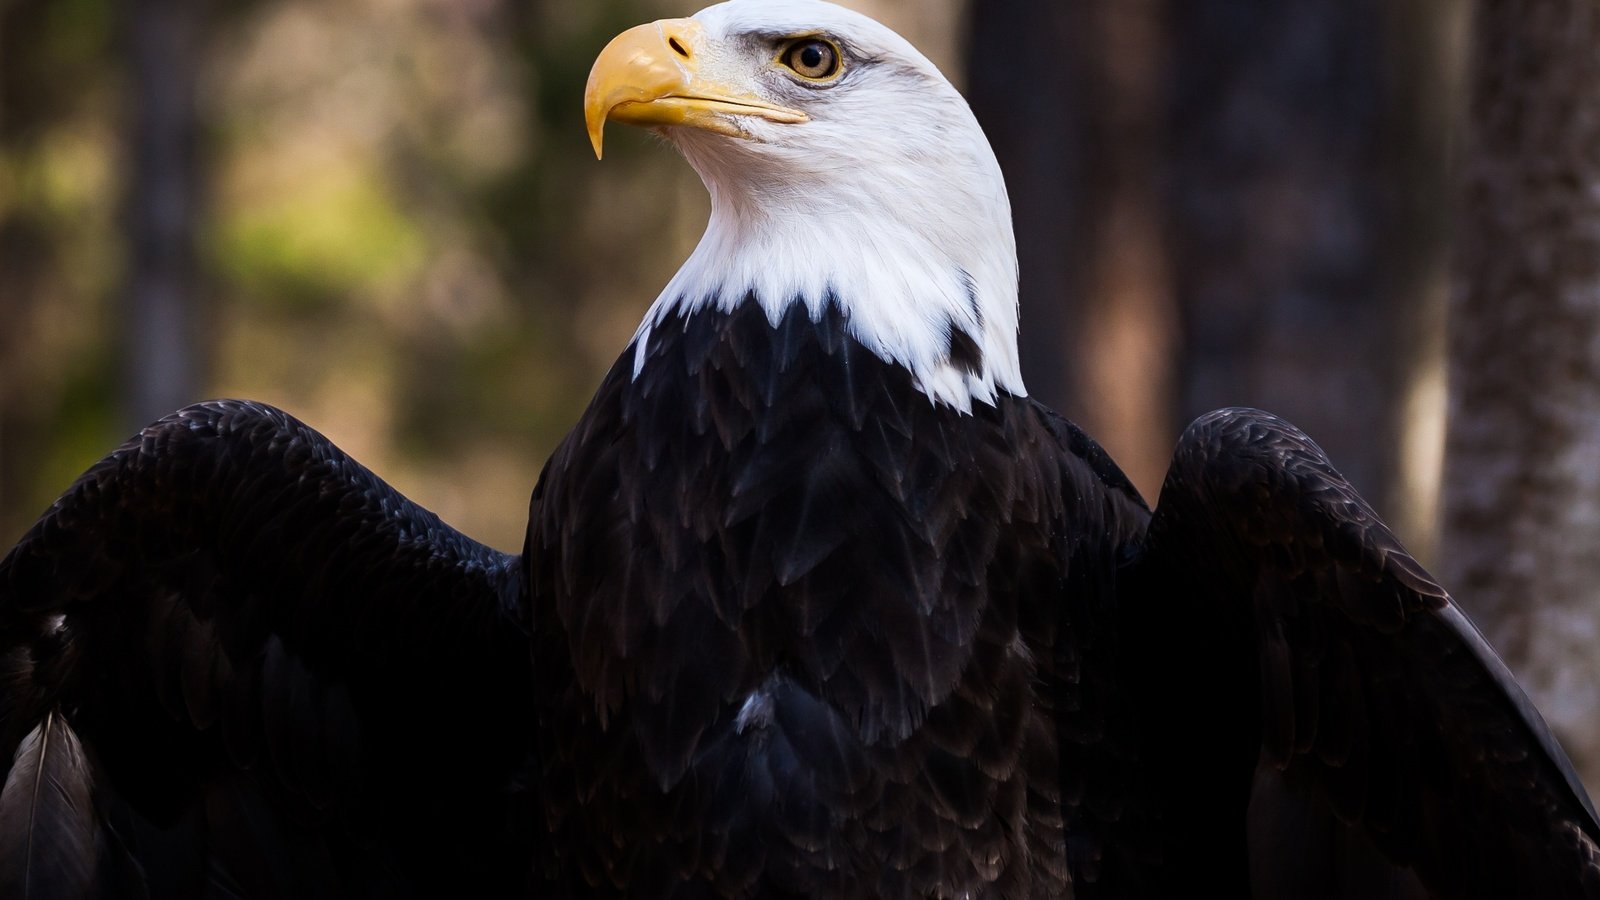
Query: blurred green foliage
(406, 239)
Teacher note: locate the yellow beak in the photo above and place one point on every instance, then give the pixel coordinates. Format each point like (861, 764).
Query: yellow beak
(650, 76)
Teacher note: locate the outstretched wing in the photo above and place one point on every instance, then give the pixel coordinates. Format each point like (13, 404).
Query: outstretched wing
(232, 660)
(1296, 655)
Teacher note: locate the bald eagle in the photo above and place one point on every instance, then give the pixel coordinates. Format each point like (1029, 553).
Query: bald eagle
(814, 602)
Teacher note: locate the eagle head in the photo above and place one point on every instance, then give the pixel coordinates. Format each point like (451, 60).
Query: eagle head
(843, 168)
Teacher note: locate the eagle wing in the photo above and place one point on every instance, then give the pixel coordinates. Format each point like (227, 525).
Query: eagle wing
(1296, 659)
(233, 660)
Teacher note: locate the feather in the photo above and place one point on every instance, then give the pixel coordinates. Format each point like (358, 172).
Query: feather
(228, 591)
(49, 841)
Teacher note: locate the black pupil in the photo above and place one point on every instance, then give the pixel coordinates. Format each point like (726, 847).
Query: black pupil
(812, 56)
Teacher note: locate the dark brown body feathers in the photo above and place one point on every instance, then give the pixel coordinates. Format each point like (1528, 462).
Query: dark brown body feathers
(795, 631)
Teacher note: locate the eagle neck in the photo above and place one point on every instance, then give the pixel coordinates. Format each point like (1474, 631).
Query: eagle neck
(933, 296)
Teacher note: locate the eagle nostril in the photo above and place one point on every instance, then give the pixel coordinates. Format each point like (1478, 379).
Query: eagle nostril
(678, 47)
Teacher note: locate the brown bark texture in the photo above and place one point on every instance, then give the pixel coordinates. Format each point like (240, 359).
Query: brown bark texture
(1520, 543)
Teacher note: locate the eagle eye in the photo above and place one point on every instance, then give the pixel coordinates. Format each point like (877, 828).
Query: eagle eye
(814, 59)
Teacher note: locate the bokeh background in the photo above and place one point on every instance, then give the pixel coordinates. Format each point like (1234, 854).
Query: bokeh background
(1379, 218)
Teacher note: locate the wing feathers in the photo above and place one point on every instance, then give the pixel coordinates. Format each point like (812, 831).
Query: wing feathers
(228, 602)
(49, 840)
(1373, 695)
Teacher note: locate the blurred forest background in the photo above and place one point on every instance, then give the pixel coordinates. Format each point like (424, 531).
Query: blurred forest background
(1378, 219)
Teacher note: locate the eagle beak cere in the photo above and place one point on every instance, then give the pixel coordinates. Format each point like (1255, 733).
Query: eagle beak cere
(650, 76)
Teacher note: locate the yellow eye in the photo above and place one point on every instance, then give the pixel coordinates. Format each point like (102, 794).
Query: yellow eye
(812, 58)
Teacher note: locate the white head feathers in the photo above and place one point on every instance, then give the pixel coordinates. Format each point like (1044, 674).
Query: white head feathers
(888, 200)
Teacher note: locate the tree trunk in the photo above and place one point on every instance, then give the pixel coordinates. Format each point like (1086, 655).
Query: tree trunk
(1234, 203)
(158, 333)
(1305, 220)
(1521, 531)
(1068, 96)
